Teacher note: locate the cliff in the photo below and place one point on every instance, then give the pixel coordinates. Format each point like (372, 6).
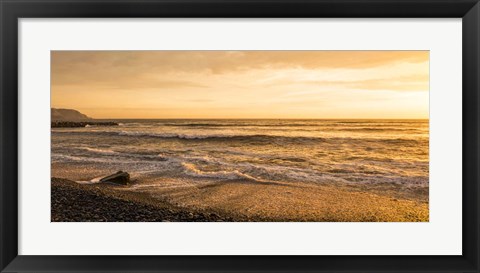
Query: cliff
(68, 115)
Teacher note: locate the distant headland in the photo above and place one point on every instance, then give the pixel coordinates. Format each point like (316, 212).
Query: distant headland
(73, 118)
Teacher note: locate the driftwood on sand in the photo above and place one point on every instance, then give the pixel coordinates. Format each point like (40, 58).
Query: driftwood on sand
(120, 177)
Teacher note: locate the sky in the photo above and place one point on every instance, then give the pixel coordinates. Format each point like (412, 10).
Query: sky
(242, 84)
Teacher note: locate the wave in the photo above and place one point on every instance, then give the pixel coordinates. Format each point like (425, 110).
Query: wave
(280, 124)
(217, 169)
(288, 174)
(261, 138)
(191, 170)
(214, 136)
(239, 137)
(58, 157)
(386, 129)
(124, 154)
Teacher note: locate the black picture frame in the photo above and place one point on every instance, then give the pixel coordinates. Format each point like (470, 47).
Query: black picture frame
(12, 10)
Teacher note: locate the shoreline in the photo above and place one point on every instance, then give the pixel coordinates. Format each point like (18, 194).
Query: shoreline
(232, 201)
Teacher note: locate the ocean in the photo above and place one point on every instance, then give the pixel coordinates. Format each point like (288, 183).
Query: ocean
(386, 155)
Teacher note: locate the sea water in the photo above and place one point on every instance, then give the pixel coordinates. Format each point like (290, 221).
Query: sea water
(347, 152)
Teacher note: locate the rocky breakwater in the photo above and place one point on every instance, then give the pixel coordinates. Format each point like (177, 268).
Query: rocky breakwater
(73, 124)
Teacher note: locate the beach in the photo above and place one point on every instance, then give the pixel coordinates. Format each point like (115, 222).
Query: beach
(231, 201)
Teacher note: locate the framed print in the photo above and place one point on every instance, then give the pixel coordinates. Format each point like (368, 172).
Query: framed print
(163, 136)
(183, 132)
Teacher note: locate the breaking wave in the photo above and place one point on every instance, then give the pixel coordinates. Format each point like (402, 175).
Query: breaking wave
(241, 137)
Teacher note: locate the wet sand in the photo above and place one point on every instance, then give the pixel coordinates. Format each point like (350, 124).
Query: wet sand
(232, 200)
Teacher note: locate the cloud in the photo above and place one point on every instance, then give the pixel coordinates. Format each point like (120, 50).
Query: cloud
(200, 100)
(393, 78)
(402, 83)
(124, 66)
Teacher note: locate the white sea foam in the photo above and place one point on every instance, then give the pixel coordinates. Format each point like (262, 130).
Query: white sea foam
(98, 150)
(95, 180)
(191, 170)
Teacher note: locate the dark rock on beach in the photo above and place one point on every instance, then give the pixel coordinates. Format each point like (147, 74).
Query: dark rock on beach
(121, 177)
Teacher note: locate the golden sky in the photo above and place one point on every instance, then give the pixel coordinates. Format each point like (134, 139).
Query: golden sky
(242, 84)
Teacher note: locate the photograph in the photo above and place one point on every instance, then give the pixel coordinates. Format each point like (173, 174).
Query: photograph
(239, 135)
